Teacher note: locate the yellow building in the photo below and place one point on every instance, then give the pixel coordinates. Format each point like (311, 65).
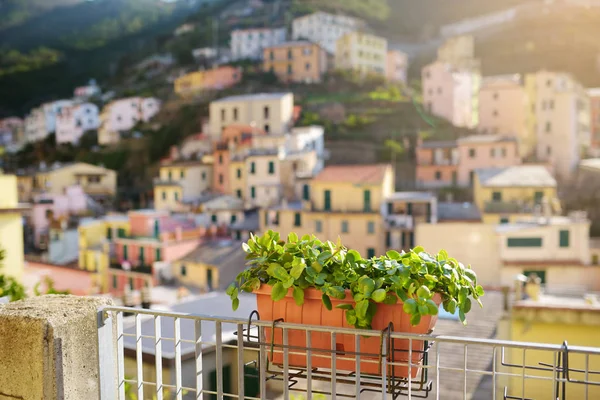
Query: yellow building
(11, 227)
(25, 187)
(237, 177)
(506, 194)
(182, 182)
(554, 320)
(298, 61)
(213, 79)
(361, 52)
(345, 202)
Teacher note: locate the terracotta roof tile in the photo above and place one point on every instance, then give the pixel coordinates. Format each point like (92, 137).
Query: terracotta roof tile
(364, 174)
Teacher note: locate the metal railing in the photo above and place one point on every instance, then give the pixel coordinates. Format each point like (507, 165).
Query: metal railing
(149, 354)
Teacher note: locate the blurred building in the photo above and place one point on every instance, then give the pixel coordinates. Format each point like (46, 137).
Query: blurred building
(299, 61)
(324, 28)
(123, 114)
(362, 52)
(250, 43)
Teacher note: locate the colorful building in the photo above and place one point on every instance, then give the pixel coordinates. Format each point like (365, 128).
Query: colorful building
(484, 151)
(362, 52)
(452, 93)
(505, 109)
(299, 61)
(11, 227)
(249, 43)
(72, 122)
(397, 66)
(123, 114)
(41, 121)
(270, 112)
(96, 242)
(562, 119)
(458, 51)
(213, 79)
(345, 202)
(402, 212)
(324, 28)
(506, 194)
(594, 95)
(437, 164)
(181, 183)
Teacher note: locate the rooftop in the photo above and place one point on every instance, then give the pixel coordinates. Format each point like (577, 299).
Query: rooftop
(435, 144)
(517, 176)
(448, 212)
(293, 43)
(253, 97)
(250, 222)
(369, 174)
(411, 196)
(485, 139)
(534, 222)
(587, 303)
(225, 254)
(183, 163)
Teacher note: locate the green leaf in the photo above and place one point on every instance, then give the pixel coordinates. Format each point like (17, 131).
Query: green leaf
(423, 309)
(442, 255)
(462, 317)
(289, 283)
(361, 308)
(432, 307)
(297, 269)
(292, 237)
(337, 292)
(246, 248)
(462, 295)
(317, 266)
(390, 298)
(345, 306)
(418, 249)
(230, 289)
(415, 319)
(366, 285)
(479, 290)
(298, 296)
(280, 273)
(327, 301)
(311, 272)
(351, 317)
(324, 257)
(466, 306)
(410, 306)
(320, 279)
(278, 291)
(424, 292)
(353, 256)
(378, 295)
(450, 306)
(235, 304)
(402, 295)
(393, 254)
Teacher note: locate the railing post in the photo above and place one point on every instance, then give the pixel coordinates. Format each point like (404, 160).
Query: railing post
(106, 356)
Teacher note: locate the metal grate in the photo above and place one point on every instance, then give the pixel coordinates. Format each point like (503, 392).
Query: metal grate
(165, 355)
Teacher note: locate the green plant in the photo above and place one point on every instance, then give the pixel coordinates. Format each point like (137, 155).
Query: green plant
(414, 277)
(9, 286)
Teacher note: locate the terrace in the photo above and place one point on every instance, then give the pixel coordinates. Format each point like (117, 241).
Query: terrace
(80, 347)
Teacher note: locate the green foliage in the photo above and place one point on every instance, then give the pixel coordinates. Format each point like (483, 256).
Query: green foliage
(356, 121)
(390, 93)
(394, 146)
(13, 61)
(413, 277)
(371, 9)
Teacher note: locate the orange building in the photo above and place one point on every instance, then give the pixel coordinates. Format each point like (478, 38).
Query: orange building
(437, 164)
(214, 79)
(298, 61)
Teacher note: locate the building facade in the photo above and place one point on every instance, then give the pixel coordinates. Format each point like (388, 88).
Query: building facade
(213, 79)
(72, 122)
(123, 114)
(362, 52)
(594, 95)
(437, 164)
(11, 227)
(397, 66)
(299, 61)
(249, 43)
(325, 29)
(182, 183)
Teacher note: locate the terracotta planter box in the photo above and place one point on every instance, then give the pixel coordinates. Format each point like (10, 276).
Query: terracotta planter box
(313, 312)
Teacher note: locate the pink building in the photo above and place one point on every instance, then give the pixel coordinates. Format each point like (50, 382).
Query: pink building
(594, 95)
(437, 164)
(72, 202)
(155, 237)
(123, 115)
(485, 151)
(397, 66)
(451, 93)
(72, 122)
(222, 77)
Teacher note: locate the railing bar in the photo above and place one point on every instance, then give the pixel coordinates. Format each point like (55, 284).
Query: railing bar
(138, 357)
(357, 366)
(333, 366)
(465, 357)
(240, 354)
(384, 357)
(177, 339)
(198, 354)
(523, 375)
(308, 365)
(286, 366)
(587, 368)
(120, 356)
(262, 364)
(494, 373)
(410, 346)
(158, 356)
(555, 355)
(437, 371)
(219, 358)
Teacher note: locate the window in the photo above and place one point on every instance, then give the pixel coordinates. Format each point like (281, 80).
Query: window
(238, 193)
(306, 192)
(307, 66)
(203, 175)
(252, 167)
(266, 112)
(125, 253)
(213, 218)
(492, 152)
(115, 282)
(221, 179)
(176, 196)
(235, 114)
(289, 69)
(550, 104)
(438, 175)
(157, 254)
(307, 51)
(439, 90)
(537, 197)
(183, 270)
(272, 55)
(344, 226)
(253, 192)
(267, 128)
(318, 226)
(327, 200)
(367, 200)
(182, 174)
(497, 196)
(220, 158)
(239, 173)
(524, 242)
(548, 127)
(297, 219)
(496, 96)
(504, 220)
(370, 227)
(503, 152)
(271, 167)
(170, 175)
(370, 252)
(495, 113)
(164, 195)
(548, 150)
(549, 82)
(472, 153)
(109, 233)
(223, 115)
(564, 238)
(290, 55)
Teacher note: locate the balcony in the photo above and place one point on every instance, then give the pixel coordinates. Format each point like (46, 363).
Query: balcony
(508, 207)
(159, 354)
(399, 222)
(143, 269)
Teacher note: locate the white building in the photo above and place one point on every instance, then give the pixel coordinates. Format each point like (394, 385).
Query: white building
(249, 43)
(41, 121)
(452, 93)
(562, 116)
(324, 28)
(123, 114)
(87, 91)
(72, 122)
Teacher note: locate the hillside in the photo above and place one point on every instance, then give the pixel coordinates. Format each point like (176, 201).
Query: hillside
(16, 12)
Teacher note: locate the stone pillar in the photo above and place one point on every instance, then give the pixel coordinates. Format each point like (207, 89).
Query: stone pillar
(49, 348)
